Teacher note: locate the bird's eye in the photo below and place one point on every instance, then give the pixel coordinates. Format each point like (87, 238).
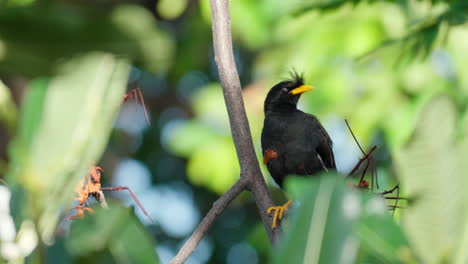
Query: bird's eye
(285, 90)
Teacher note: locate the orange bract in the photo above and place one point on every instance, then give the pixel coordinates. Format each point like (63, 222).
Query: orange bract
(85, 188)
(91, 186)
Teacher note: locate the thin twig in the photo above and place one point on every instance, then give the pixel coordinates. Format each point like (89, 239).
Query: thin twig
(374, 173)
(361, 161)
(396, 201)
(390, 191)
(355, 139)
(393, 207)
(217, 208)
(396, 198)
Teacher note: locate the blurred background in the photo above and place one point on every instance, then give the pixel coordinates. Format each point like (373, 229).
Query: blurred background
(378, 64)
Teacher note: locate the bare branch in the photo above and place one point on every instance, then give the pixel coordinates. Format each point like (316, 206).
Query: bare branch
(218, 207)
(251, 176)
(222, 43)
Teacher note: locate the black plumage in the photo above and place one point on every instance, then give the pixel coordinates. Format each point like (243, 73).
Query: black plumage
(293, 142)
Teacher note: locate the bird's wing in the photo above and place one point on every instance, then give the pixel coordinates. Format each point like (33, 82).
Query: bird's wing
(325, 145)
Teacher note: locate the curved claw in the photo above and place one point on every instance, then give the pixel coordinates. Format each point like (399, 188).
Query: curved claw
(279, 213)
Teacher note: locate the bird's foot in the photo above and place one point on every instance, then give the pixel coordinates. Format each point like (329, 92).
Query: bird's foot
(279, 213)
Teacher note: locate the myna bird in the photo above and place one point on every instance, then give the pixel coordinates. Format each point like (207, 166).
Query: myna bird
(293, 142)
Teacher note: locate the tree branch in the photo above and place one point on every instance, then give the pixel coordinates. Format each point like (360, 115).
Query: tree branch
(218, 207)
(222, 43)
(251, 177)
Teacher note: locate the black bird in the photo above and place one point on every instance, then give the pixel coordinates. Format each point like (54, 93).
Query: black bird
(293, 142)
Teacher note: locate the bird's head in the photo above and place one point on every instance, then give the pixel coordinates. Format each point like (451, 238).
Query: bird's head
(284, 95)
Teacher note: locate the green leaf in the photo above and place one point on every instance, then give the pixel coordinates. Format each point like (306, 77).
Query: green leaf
(171, 9)
(117, 229)
(8, 111)
(187, 136)
(321, 227)
(381, 238)
(331, 221)
(217, 172)
(63, 131)
(31, 115)
(432, 169)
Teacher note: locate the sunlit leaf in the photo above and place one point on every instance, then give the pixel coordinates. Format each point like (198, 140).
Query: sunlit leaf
(214, 165)
(432, 171)
(208, 104)
(171, 9)
(8, 111)
(65, 125)
(187, 136)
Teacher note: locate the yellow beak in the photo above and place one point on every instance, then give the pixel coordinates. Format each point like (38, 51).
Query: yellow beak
(301, 89)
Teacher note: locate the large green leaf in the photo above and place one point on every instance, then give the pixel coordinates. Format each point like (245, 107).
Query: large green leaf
(433, 170)
(332, 221)
(64, 128)
(321, 228)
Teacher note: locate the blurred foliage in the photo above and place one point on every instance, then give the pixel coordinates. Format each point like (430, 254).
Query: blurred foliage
(171, 9)
(8, 111)
(395, 69)
(67, 114)
(433, 170)
(199, 139)
(381, 94)
(324, 221)
(47, 159)
(63, 30)
(115, 229)
(334, 224)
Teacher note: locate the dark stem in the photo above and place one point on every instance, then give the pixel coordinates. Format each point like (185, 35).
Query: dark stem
(366, 157)
(391, 190)
(396, 198)
(355, 139)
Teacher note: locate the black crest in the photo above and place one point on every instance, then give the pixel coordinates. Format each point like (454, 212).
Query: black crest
(296, 78)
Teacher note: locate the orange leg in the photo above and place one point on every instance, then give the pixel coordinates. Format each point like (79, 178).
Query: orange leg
(279, 213)
(137, 95)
